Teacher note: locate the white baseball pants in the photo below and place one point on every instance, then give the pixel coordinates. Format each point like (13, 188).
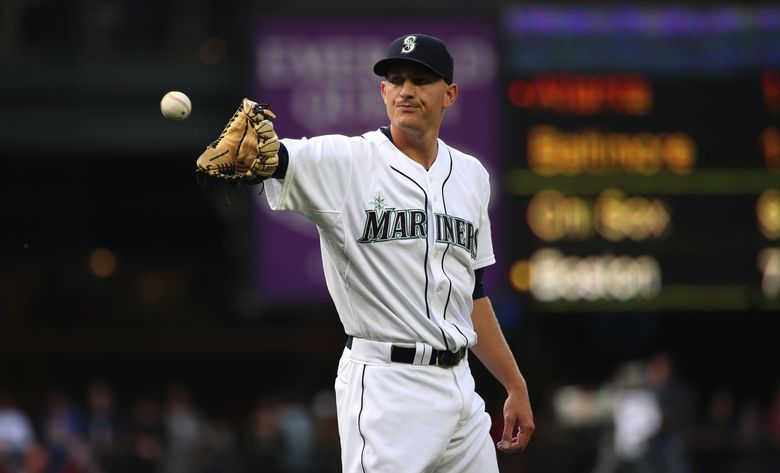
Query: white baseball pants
(409, 418)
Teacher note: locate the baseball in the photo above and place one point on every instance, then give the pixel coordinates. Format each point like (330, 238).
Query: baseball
(175, 106)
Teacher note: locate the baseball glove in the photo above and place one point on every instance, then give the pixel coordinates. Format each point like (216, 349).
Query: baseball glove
(246, 151)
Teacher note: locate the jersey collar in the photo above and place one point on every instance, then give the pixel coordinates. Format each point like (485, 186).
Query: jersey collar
(400, 160)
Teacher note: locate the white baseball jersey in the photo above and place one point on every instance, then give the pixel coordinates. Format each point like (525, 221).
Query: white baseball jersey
(399, 243)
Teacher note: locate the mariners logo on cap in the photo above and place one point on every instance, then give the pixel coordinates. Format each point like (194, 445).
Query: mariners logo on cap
(409, 44)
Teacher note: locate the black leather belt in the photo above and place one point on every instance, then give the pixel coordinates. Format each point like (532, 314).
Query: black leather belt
(407, 355)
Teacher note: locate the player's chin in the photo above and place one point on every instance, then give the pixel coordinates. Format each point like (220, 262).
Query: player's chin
(406, 120)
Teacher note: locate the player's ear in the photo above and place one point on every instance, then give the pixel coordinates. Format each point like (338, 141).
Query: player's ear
(383, 91)
(450, 95)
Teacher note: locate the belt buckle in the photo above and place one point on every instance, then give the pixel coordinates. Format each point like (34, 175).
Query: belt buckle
(448, 358)
(443, 358)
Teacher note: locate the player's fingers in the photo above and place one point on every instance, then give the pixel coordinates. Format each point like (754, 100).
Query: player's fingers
(519, 441)
(515, 445)
(510, 424)
(525, 431)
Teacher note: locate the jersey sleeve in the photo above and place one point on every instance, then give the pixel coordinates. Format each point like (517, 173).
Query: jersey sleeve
(317, 177)
(485, 256)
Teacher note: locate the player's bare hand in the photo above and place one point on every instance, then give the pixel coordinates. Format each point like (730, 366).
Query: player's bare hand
(518, 422)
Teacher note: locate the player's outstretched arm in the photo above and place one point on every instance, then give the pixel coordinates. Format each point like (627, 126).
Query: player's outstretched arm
(493, 351)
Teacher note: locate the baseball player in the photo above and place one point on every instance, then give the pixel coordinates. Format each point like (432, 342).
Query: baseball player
(405, 237)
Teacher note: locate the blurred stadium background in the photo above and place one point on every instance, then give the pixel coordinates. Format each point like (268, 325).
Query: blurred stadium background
(148, 324)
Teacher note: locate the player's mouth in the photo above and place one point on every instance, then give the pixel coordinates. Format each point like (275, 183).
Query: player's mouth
(406, 107)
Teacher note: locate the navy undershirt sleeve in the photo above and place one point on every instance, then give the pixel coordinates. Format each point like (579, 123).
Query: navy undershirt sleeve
(284, 158)
(479, 287)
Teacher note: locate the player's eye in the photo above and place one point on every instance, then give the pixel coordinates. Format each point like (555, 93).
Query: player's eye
(416, 80)
(396, 79)
(422, 80)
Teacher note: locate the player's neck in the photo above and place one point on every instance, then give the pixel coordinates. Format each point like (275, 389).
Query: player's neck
(420, 147)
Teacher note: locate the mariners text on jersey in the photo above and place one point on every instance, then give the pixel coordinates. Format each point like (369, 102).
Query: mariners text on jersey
(402, 224)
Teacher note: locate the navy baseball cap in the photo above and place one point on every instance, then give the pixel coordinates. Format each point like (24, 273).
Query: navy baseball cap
(422, 49)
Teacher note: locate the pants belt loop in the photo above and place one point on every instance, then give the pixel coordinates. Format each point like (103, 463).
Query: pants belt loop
(422, 354)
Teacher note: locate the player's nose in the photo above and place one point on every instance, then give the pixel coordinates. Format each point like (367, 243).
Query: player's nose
(407, 89)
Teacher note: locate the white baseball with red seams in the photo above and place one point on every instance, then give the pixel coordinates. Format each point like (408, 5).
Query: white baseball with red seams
(400, 245)
(176, 106)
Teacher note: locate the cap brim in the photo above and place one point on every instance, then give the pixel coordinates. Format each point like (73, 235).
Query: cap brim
(382, 67)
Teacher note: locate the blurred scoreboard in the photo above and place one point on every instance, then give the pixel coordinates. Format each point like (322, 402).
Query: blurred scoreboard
(642, 157)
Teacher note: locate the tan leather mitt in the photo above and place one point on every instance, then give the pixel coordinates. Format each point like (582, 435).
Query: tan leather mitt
(246, 151)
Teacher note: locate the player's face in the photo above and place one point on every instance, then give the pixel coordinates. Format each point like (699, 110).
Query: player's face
(415, 97)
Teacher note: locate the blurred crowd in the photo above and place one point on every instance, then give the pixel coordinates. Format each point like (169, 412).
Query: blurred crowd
(169, 434)
(642, 420)
(645, 419)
